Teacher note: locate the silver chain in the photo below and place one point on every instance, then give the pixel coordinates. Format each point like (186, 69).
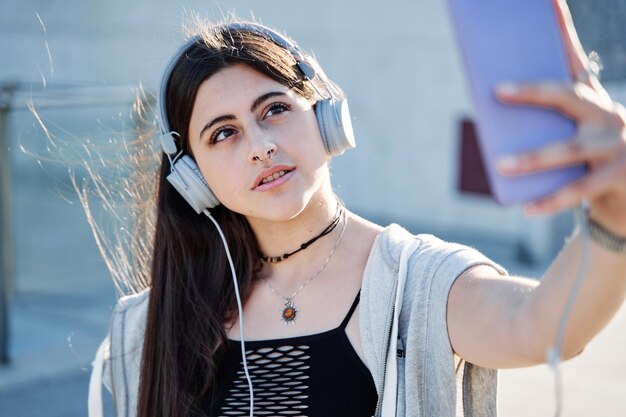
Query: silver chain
(319, 271)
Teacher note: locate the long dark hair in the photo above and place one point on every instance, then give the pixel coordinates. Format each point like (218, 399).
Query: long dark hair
(192, 296)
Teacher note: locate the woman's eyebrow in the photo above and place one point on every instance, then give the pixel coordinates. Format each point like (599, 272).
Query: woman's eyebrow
(214, 121)
(256, 103)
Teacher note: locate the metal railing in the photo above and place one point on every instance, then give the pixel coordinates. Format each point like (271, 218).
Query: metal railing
(6, 255)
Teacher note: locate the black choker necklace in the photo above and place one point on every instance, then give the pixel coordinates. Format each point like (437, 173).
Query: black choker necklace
(330, 228)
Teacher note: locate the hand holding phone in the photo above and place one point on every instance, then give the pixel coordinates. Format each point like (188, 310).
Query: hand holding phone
(508, 41)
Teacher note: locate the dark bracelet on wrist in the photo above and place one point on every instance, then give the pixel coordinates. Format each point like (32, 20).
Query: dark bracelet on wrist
(606, 238)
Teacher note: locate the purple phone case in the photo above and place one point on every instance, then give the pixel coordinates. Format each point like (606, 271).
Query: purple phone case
(514, 41)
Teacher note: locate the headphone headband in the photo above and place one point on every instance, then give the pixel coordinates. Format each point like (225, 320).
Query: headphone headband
(308, 72)
(165, 125)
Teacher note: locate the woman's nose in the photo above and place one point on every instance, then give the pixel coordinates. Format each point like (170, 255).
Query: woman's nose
(262, 147)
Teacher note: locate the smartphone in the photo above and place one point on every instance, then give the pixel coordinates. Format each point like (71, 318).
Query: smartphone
(519, 42)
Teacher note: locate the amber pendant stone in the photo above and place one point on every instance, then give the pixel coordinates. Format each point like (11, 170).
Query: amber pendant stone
(289, 313)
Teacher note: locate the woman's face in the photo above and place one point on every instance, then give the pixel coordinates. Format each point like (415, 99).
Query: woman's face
(238, 116)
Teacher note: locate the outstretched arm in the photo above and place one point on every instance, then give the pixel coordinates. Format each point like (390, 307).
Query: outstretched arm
(511, 322)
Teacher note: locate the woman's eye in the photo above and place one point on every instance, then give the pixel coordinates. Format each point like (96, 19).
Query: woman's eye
(276, 108)
(221, 134)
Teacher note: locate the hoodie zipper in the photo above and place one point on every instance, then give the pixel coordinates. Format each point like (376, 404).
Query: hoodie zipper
(387, 342)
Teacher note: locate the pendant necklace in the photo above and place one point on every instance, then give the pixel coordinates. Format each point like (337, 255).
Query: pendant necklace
(289, 312)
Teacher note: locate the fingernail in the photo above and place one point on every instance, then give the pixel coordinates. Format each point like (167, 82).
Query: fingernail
(508, 89)
(507, 162)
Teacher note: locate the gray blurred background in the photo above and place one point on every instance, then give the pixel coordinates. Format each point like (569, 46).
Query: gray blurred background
(80, 64)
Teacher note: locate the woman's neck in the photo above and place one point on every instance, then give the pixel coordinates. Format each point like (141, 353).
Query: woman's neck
(277, 238)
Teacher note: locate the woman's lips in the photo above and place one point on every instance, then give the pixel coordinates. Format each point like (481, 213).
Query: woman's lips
(275, 183)
(271, 172)
(276, 176)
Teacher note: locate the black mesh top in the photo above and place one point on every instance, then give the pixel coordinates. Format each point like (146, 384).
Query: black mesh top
(318, 375)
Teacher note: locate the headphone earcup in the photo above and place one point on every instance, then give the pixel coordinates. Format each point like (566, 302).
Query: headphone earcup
(333, 118)
(190, 183)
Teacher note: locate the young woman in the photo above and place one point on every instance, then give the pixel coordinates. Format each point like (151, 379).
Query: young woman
(324, 290)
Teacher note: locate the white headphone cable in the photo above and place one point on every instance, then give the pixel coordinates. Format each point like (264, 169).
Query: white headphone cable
(239, 309)
(553, 354)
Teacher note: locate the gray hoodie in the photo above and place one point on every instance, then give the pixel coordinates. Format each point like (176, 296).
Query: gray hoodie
(427, 379)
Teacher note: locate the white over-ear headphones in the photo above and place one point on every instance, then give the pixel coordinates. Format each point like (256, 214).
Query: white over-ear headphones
(333, 118)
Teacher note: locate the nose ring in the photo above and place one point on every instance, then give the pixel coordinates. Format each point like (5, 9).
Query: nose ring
(269, 154)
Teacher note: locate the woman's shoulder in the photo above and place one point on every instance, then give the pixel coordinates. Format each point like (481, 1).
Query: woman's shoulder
(388, 241)
(393, 238)
(429, 252)
(137, 302)
(382, 246)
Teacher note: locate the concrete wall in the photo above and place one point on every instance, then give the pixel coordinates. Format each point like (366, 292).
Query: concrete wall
(396, 60)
